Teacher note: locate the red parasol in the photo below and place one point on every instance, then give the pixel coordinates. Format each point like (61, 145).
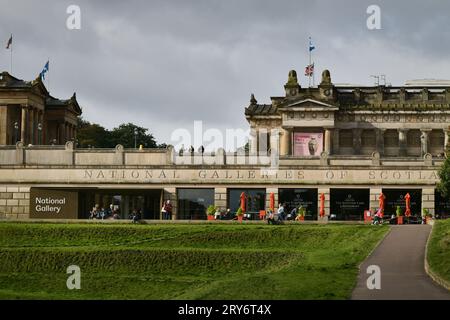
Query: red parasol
(381, 204)
(272, 201)
(243, 202)
(322, 205)
(408, 205)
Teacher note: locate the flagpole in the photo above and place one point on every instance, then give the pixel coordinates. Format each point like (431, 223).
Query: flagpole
(11, 62)
(310, 51)
(48, 76)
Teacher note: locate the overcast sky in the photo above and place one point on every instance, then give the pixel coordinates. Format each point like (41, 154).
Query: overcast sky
(163, 64)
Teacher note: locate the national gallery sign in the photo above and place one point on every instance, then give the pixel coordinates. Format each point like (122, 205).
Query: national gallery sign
(221, 176)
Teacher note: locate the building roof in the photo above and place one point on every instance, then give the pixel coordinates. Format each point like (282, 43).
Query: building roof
(9, 82)
(420, 95)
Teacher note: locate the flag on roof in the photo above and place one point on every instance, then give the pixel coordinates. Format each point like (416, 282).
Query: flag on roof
(9, 42)
(44, 71)
(311, 46)
(309, 70)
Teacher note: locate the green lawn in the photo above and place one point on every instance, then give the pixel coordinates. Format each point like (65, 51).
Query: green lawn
(439, 249)
(188, 261)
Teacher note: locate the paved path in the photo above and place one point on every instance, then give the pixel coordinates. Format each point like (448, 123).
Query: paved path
(400, 257)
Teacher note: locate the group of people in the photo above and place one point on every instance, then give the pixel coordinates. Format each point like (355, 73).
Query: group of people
(112, 213)
(201, 150)
(98, 212)
(292, 215)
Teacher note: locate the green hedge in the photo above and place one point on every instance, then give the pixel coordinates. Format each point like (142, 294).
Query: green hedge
(166, 261)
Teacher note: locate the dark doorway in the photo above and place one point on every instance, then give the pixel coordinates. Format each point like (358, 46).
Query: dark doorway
(294, 198)
(348, 204)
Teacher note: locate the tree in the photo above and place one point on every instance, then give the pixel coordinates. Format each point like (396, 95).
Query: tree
(92, 135)
(444, 175)
(125, 135)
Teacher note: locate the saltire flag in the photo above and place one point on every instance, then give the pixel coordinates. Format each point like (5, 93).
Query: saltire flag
(44, 71)
(311, 46)
(9, 42)
(309, 70)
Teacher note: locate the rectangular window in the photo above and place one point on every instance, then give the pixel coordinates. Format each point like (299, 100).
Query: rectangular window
(255, 200)
(349, 204)
(396, 197)
(192, 203)
(441, 206)
(294, 198)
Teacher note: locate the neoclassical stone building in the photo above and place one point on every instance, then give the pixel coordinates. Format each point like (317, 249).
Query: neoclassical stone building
(28, 113)
(330, 147)
(390, 121)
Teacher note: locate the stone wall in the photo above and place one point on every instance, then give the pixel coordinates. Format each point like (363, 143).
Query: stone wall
(14, 201)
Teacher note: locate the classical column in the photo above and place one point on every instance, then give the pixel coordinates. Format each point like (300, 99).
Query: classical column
(253, 140)
(275, 141)
(61, 136)
(402, 142)
(336, 141)
(31, 134)
(446, 139)
(41, 135)
(23, 126)
(424, 141)
(357, 141)
(328, 141)
(380, 140)
(286, 141)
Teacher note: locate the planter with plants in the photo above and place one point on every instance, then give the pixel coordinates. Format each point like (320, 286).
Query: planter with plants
(301, 214)
(240, 214)
(399, 215)
(210, 212)
(428, 217)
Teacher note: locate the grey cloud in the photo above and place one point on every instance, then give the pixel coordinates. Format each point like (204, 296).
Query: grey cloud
(164, 64)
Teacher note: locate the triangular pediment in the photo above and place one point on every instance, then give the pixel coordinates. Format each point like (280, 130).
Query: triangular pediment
(309, 104)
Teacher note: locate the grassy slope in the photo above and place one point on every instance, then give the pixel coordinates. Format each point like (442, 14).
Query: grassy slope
(183, 261)
(439, 249)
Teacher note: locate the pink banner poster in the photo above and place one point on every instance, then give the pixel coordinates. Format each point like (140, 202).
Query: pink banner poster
(308, 144)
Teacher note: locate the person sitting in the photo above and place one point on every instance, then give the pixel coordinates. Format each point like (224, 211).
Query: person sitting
(393, 219)
(115, 215)
(217, 214)
(378, 218)
(293, 214)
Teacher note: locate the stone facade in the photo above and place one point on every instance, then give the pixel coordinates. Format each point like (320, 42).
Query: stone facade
(371, 139)
(29, 114)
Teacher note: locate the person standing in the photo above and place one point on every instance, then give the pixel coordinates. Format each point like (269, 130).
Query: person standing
(167, 210)
(281, 212)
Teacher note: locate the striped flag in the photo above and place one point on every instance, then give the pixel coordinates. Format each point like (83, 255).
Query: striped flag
(9, 42)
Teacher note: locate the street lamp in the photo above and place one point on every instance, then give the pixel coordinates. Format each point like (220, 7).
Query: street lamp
(16, 132)
(39, 127)
(135, 137)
